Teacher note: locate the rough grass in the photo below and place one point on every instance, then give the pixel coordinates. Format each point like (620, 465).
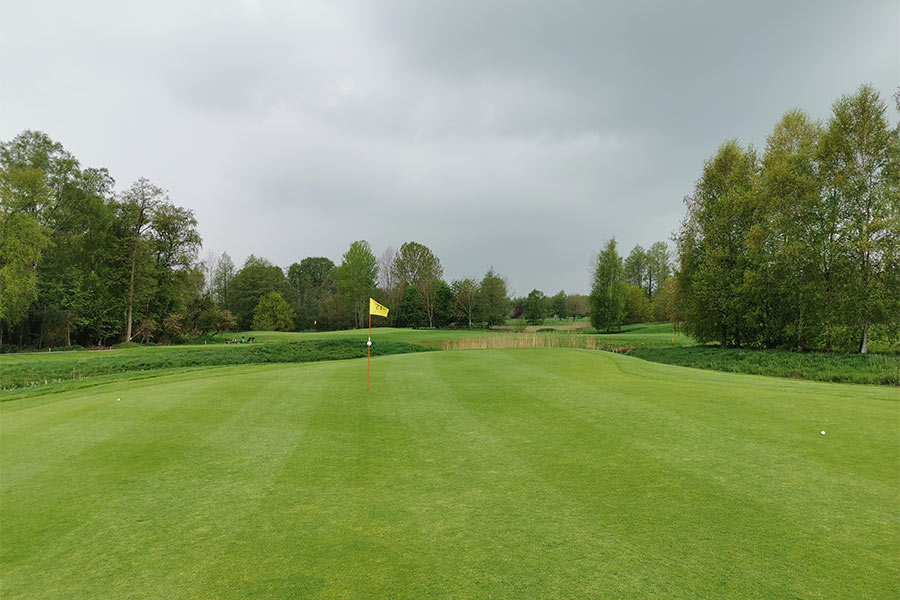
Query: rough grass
(882, 369)
(40, 369)
(500, 473)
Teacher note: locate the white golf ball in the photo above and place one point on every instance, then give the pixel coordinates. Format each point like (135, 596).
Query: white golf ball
(119, 400)
(823, 433)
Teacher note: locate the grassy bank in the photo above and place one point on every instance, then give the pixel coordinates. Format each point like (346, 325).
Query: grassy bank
(881, 369)
(40, 369)
(653, 342)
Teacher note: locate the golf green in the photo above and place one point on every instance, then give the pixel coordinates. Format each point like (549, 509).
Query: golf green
(483, 473)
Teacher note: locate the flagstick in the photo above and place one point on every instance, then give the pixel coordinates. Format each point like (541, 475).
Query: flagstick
(369, 352)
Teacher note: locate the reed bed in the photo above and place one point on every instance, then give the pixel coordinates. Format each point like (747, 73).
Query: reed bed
(531, 340)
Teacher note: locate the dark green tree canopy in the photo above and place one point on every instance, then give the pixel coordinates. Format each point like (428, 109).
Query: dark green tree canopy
(356, 279)
(607, 299)
(256, 278)
(535, 308)
(493, 302)
(310, 279)
(272, 313)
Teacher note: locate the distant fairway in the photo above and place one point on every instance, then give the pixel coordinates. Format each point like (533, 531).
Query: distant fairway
(484, 473)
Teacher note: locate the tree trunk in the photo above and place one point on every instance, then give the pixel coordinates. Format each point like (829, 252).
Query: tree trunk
(864, 343)
(131, 294)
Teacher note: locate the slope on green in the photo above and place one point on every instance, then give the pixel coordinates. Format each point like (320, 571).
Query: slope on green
(35, 369)
(501, 473)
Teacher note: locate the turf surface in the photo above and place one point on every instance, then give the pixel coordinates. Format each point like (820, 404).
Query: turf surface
(496, 473)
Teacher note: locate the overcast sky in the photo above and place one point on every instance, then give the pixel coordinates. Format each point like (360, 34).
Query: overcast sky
(518, 135)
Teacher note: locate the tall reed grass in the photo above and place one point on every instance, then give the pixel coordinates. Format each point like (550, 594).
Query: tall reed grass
(532, 340)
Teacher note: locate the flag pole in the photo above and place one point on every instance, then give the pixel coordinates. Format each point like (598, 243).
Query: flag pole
(369, 351)
(381, 311)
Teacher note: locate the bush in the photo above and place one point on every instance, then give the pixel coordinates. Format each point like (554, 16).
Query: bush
(72, 348)
(8, 348)
(122, 345)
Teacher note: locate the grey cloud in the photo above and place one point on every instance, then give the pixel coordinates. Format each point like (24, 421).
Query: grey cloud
(518, 135)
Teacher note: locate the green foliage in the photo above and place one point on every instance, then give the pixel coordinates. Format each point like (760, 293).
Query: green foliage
(465, 299)
(801, 250)
(22, 241)
(577, 305)
(222, 277)
(171, 330)
(535, 307)
(356, 280)
(607, 300)
(493, 299)
(559, 306)
(256, 278)
(417, 266)
(312, 279)
(665, 302)
(443, 305)
(49, 209)
(860, 155)
(202, 316)
(637, 305)
(659, 267)
(272, 313)
(713, 250)
(636, 267)
(411, 313)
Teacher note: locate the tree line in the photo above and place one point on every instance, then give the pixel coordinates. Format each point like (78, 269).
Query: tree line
(798, 247)
(83, 264)
(316, 293)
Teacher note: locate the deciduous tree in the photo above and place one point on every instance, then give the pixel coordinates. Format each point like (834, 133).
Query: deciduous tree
(356, 279)
(272, 313)
(607, 299)
(416, 265)
(465, 295)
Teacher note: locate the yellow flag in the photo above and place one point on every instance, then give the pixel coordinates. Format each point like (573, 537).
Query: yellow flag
(377, 309)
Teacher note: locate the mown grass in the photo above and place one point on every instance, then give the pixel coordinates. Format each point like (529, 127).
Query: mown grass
(32, 370)
(881, 369)
(545, 473)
